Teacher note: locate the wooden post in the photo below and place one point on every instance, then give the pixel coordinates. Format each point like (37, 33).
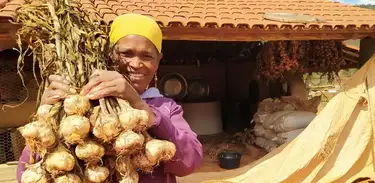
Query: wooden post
(366, 50)
(7, 42)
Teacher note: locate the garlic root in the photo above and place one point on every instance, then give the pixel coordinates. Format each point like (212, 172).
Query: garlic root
(38, 136)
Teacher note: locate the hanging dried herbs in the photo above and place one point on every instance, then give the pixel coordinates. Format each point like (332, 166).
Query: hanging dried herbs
(277, 58)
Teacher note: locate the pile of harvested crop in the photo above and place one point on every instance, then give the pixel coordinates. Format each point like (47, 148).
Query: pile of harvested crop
(78, 141)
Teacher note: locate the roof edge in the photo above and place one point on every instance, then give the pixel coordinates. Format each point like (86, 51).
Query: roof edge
(257, 34)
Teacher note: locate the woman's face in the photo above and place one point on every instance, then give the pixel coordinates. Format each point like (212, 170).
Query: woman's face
(138, 58)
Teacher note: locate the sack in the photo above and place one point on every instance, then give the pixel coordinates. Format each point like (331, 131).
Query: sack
(310, 105)
(289, 136)
(271, 118)
(260, 131)
(266, 105)
(260, 117)
(268, 145)
(292, 121)
(288, 107)
(272, 105)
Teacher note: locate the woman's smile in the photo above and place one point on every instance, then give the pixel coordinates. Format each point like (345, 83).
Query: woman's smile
(136, 76)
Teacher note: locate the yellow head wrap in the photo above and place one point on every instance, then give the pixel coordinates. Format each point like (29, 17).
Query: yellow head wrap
(136, 24)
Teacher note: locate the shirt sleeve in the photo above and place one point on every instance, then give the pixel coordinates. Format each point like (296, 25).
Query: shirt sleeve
(172, 126)
(24, 159)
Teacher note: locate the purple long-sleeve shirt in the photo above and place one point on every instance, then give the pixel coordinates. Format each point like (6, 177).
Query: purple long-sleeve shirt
(169, 125)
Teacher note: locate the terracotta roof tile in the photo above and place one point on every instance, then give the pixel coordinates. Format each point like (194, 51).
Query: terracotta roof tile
(10, 7)
(217, 13)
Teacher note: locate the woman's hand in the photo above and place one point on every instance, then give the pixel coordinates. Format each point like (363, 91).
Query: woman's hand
(57, 89)
(109, 83)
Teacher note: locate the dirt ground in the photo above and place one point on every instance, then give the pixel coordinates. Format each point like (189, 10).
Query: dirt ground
(8, 173)
(210, 169)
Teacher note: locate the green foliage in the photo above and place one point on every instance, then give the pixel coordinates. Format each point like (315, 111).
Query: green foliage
(368, 6)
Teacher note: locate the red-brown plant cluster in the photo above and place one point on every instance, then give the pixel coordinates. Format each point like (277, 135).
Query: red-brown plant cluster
(279, 57)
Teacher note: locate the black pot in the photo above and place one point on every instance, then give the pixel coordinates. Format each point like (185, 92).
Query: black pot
(198, 90)
(229, 160)
(178, 86)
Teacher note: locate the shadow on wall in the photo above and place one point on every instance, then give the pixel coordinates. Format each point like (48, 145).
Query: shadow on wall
(238, 114)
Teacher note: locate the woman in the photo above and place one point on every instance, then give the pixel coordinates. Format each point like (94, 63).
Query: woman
(137, 41)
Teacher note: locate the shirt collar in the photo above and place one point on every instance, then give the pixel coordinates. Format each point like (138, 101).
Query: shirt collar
(151, 93)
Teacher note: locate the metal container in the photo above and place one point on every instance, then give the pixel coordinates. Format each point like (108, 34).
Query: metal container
(229, 160)
(198, 90)
(173, 85)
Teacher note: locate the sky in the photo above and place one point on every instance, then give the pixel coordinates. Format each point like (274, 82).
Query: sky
(358, 1)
